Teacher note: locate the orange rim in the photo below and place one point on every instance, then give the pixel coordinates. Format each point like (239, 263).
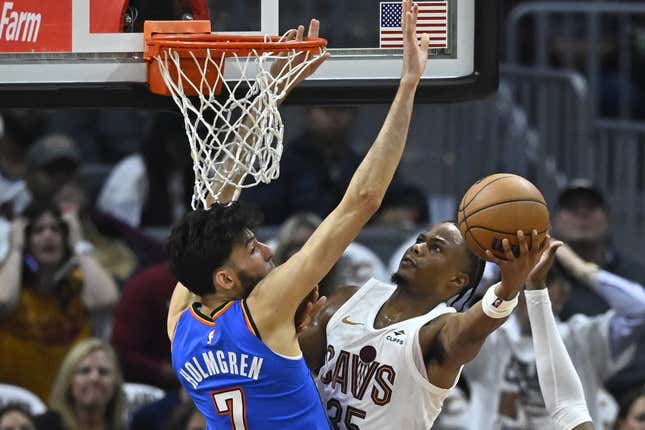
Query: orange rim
(194, 39)
(234, 43)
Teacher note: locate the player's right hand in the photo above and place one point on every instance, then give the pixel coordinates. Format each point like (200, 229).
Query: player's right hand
(298, 34)
(415, 56)
(516, 270)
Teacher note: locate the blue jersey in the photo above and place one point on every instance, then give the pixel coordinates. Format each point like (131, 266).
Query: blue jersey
(235, 380)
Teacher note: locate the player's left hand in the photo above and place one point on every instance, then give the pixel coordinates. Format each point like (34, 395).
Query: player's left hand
(537, 277)
(308, 309)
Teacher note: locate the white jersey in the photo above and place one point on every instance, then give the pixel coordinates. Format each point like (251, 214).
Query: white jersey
(377, 379)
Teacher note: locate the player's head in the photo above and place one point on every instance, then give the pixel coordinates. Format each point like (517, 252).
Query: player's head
(440, 263)
(215, 250)
(582, 214)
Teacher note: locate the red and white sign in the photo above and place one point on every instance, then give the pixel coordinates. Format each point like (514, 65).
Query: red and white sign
(35, 26)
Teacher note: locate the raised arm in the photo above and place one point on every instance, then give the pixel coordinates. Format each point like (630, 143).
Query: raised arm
(182, 297)
(285, 287)
(626, 298)
(100, 292)
(560, 385)
(462, 335)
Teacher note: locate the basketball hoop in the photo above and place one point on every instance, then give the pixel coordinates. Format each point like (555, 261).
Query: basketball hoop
(233, 126)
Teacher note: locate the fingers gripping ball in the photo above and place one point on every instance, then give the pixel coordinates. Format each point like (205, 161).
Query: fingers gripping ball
(496, 207)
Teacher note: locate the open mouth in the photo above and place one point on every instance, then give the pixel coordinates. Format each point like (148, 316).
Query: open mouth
(407, 261)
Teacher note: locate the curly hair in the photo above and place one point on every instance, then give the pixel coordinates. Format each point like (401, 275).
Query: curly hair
(203, 241)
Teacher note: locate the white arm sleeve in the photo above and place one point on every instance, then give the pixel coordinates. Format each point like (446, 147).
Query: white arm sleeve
(559, 382)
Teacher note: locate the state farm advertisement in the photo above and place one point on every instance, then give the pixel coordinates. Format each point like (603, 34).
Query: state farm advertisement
(35, 26)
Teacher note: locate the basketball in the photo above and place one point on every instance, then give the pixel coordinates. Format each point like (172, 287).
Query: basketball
(496, 207)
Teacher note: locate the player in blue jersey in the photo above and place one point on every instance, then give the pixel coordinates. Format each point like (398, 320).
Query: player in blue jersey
(232, 317)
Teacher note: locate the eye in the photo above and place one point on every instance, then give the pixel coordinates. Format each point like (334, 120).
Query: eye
(434, 248)
(419, 239)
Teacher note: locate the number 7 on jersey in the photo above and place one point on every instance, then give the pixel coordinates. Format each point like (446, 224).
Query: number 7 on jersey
(231, 401)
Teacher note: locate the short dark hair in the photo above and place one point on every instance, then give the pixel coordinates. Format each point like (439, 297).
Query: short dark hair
(626, 401)
(15, 406)
(203, 241)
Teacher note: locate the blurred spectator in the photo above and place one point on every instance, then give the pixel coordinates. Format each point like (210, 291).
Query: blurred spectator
(582, 220)
(404, 206)
(187, 417)
(53, 165)
(88, 391)
(111, 253)
(599, 347)
(631, 412)
(52, 161)
(14, 141)
(139, 335)
(315, 168)
(152, 188)
(158, 414)
(357, 264)
(16, 417)
(51, 287)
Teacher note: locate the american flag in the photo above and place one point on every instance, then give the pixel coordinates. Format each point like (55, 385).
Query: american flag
(432, 20)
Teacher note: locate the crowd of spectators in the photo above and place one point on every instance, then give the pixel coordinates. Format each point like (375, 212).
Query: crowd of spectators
(85, 289)
(85, 282)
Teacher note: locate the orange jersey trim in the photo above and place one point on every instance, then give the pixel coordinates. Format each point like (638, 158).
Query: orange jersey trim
(247, 319)
(200, 318)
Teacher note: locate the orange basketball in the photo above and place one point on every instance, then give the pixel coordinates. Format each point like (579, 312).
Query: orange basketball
(496, 207)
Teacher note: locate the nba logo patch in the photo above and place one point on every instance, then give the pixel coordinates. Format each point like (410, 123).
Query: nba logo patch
(497, 303)
(210, 336)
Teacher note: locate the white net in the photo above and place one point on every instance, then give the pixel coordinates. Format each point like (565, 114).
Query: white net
(236, 137)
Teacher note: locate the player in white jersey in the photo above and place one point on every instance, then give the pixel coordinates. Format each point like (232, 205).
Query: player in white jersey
(387, 355)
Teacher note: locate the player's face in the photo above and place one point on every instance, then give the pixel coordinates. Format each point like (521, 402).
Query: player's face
(252, 261)
(46, 240)
(94, 380)
(434, 260)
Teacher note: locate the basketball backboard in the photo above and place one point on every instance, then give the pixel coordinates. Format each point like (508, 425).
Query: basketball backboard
(85, 53)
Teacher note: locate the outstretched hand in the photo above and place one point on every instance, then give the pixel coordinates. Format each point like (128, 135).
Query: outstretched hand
(516, 270)
(298, 34)
(309, 307)
(537, 277)
(415, 55)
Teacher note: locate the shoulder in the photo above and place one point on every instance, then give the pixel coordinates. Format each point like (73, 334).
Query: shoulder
(336, 300)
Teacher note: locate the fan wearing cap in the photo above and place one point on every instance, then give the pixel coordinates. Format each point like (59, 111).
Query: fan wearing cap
(601, 277)
(52, 162)
(53, 165)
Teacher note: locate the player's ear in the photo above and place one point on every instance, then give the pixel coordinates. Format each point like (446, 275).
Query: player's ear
(224, 278)
(459, 280)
